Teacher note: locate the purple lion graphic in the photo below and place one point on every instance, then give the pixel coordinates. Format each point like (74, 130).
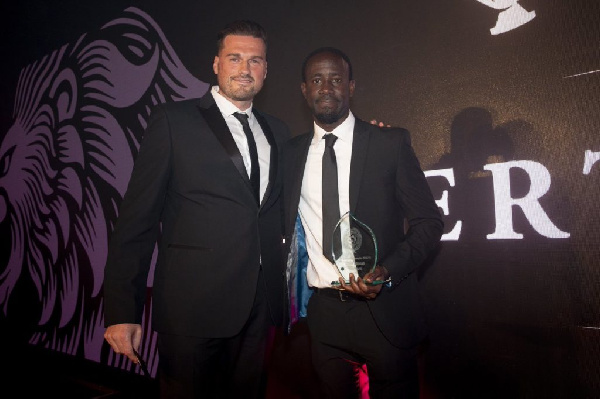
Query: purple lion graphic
(79, 116)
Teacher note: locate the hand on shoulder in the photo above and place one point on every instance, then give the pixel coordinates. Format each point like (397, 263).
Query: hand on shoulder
(380, 124)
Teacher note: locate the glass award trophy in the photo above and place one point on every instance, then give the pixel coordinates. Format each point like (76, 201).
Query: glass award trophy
(353, 248)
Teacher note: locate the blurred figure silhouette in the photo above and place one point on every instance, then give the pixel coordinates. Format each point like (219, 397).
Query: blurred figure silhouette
(474, 142)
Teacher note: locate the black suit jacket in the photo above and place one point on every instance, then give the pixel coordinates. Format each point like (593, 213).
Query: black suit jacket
(387, 187)
(189, 186)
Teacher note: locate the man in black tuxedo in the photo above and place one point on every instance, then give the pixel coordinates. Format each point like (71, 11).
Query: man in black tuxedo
(212, 193)
(381, 183)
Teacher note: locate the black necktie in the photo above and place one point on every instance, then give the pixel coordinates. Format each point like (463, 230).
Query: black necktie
(331, 202)
(254, 168)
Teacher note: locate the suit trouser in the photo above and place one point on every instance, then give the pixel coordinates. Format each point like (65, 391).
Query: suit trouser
(223, 368)
(344, 335)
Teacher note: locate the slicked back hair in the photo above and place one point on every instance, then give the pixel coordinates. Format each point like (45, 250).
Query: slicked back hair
(241, 28)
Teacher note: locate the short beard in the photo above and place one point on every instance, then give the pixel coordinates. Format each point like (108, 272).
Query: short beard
(241, 95)
(327, 118)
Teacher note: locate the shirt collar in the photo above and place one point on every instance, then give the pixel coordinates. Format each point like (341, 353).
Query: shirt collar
(225, 106)
(343, 131)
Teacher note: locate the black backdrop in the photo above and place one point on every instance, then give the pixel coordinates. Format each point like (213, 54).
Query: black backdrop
(509, 317)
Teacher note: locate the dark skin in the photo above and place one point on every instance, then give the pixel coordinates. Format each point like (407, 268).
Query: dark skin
(327, 91)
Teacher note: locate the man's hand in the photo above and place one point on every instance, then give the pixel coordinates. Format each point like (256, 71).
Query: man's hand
(362, 286)
(380, 124)
(124, 338)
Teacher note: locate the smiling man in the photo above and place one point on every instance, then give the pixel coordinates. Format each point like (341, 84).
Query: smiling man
(241, 68)
(205, 180)
(374, 319)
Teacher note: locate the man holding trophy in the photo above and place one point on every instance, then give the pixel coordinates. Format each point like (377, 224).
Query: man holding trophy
(359, 219)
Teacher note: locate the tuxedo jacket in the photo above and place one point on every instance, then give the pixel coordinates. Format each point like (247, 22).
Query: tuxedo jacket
(190, 190)
(387, 188)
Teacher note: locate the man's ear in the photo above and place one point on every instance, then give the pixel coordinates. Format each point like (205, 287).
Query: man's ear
(303, 89)
(216, 65)
(352, 84)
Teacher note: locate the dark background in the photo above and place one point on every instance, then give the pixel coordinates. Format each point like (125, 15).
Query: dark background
(508, 318)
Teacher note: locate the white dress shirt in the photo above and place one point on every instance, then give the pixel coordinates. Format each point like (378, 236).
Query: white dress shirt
(321, 272)
(237, 131)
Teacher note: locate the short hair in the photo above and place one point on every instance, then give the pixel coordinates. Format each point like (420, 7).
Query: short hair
(241, 28)
(322, 50)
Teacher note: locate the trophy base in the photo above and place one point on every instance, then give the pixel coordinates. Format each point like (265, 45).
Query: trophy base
(376, 282)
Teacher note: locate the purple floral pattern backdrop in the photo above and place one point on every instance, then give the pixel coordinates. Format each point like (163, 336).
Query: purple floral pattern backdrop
(79, 116)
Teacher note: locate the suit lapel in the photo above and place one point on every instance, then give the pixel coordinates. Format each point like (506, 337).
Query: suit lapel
(217, 124)
(297, 165)
(357, 164)
(273, 163)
